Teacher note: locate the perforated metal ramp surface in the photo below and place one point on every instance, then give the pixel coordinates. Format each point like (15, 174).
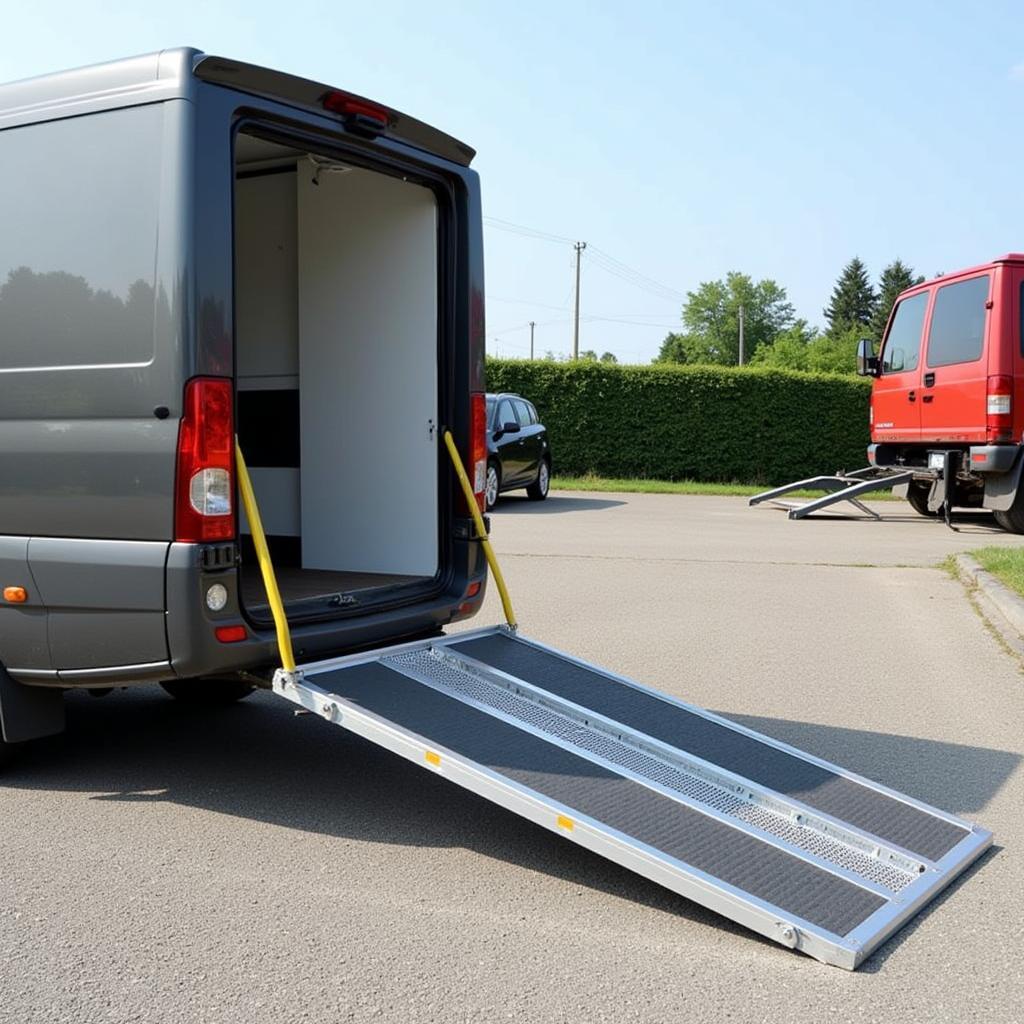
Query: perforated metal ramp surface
(890, 819)
(734, 820)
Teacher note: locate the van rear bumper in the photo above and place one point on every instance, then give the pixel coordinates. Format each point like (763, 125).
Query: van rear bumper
(981, 458)
(196, 651)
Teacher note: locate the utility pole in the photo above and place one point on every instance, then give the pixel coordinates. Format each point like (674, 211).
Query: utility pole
(532, 325)
(579, 247)
(741, 335)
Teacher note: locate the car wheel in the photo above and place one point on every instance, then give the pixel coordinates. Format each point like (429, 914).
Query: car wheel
(538, 490)
(207, 693)
(492, 487)
(917, 495)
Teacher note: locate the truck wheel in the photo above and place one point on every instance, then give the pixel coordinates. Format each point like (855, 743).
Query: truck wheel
(917, 495)
(207, 693)
(538, 490)
(1012, 520)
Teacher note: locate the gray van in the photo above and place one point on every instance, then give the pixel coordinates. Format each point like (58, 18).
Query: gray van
(194, 249)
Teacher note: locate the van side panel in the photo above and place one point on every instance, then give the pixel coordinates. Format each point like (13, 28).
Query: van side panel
(92, 296)
(22, 626)
(94, 320)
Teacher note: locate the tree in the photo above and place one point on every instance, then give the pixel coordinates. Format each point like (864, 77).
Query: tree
(588, 355)
(853, 299)
(789, 350)
(608, 357)
(711, 317)
(896, 277)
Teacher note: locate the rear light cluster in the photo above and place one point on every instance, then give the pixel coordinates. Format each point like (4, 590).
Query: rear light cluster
(999, 409)
(205, 483)
(477, 465)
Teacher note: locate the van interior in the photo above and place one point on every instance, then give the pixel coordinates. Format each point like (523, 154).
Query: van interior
(336, 369)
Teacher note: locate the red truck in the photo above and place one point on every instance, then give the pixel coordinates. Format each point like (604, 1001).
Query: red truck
(948, 394)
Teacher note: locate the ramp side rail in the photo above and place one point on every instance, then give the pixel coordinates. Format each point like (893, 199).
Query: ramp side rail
(840, 486)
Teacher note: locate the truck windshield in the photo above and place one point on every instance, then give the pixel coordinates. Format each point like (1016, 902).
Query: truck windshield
(903, 342)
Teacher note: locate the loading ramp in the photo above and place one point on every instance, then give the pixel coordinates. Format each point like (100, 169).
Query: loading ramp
(801, 851)
(839, 486)
(797, 849)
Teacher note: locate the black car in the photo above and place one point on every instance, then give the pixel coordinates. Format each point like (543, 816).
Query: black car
(518, 453)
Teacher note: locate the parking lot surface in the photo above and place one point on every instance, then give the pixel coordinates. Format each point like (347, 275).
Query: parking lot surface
(157, 864)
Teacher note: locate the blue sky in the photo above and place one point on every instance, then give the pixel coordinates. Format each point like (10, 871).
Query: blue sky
(682, 140)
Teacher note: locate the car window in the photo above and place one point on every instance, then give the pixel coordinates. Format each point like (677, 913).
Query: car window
(903, 342)
(534, 418)
(491, 404)
(522, 413)
(505, 414)
(957, 333)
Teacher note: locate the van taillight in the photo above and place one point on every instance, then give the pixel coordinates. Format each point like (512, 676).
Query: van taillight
(999, 408)
(478, 446)
(205, 482)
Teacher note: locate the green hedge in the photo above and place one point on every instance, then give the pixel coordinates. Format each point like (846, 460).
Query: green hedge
(693, 422)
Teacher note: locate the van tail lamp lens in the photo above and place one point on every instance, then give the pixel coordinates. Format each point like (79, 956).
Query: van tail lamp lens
(474, 589)
(230, 634)
(205, 483)
(15, 595)
(478, 446)
(999, 408)
(217, 597)
(351, 106)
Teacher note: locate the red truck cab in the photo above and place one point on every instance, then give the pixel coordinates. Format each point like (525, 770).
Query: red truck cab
(950, 378)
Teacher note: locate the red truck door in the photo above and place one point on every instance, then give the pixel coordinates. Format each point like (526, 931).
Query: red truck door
(895, 405)
(955, 374)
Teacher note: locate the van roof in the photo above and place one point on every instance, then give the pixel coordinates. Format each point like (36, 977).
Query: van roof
(171, 74)
(1010, 257)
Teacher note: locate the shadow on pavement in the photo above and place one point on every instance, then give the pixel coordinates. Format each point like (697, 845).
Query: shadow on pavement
(950, 776)
(551, 506)
(258, 761)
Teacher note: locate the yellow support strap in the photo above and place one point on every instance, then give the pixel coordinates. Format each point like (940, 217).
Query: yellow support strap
(492, 561)
(259, 539)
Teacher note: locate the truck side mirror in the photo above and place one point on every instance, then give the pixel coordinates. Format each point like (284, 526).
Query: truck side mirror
(867, 361)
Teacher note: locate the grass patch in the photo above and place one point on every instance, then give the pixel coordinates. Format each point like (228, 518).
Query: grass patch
(1006, 564)
(639, 485)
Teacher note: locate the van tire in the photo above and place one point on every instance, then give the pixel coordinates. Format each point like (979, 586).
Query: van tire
(917, 495)
(8, 752)
(1012, 520)
(538, 490)
(207, 693)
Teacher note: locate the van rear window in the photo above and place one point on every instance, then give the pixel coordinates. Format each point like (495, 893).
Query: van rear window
(79, 204)
(957, 333)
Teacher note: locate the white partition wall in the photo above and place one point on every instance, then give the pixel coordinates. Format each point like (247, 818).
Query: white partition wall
(367, 303)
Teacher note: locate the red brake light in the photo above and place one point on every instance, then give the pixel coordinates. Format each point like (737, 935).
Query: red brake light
(351, 106)
(477, 463)
(999, 408)
(205, 484)
(230, 634)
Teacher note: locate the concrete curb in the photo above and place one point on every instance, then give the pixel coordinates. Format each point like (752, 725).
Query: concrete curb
(999, 604)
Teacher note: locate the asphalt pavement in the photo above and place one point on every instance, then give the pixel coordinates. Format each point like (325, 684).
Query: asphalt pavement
(158, 864)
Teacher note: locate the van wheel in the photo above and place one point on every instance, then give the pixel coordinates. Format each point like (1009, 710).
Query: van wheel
(207, 693)
(538, 490)
(492, 487)
(8, 752)
(917, 495)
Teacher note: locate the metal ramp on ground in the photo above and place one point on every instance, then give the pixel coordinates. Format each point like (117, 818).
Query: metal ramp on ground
(803, 852)
(840, 486)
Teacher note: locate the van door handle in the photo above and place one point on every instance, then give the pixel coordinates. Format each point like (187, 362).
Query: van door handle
(929, 380)
(927, 398)
(911, 396)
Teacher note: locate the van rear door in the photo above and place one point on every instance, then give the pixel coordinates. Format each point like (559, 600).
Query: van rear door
(954, 377)
(896, 409)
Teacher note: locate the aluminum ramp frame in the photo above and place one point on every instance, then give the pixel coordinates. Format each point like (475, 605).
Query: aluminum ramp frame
(841, 487)
(803, 852)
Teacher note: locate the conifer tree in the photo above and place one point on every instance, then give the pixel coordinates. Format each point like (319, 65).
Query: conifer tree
(896, 277)
(853, 299)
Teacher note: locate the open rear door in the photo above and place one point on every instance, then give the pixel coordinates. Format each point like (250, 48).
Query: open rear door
(803, 852)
